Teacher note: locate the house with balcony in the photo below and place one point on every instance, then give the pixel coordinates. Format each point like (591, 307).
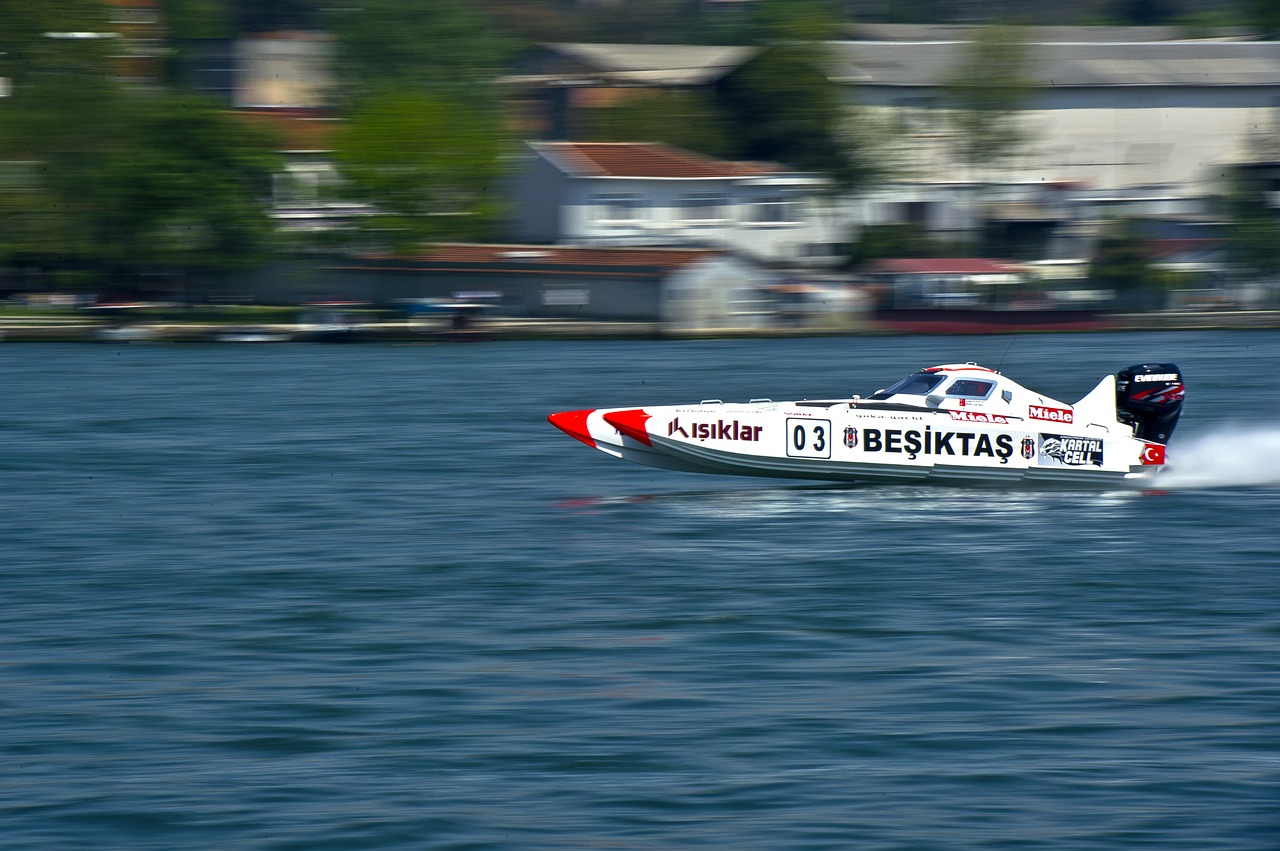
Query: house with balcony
(652, 194)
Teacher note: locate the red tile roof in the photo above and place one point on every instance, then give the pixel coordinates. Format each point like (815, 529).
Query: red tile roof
(1165, 248)
(644, 159)
(296, 128)
(944, 266)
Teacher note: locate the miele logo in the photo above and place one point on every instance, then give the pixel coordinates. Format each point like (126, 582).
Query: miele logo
(977, 417)
(1057, 415)
(1156, 376)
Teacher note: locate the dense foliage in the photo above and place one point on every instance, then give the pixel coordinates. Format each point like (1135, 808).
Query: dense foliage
(116, 188)
(986, 93)
(110, 185)
(685, 119)
(1121, 263)
(1253, 242)
(429, 165)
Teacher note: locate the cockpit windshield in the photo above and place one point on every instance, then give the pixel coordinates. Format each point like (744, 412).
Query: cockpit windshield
(917, 384)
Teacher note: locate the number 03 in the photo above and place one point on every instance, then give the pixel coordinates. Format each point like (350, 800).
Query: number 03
(808, 438)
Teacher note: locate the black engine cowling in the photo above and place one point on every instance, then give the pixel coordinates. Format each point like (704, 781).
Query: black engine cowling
(1149, 396)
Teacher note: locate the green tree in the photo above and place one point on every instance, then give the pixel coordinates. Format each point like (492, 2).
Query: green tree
(196, 19)
(1262, 15)
(416, 45)
(188, 191)
(1141, 13)
(649, 22)
(811, 21)
(687, 120)
(879, 242)
(1253, 241)
(108, 182)
(423, 134)
(781, 107)
(986, 93)
(186, 24)
(1121, 263)
(61, 121)
(429, 164)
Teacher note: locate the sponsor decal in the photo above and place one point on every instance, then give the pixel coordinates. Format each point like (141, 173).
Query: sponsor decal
(1028, 448)
(1152, 454)
(1064, 450)
(1057, 415)
(881, 417)
(850, 437)
(913, 443)
(809, 438)
(1161, 395)
(718, 430)
(978, 417)
(1156, 376)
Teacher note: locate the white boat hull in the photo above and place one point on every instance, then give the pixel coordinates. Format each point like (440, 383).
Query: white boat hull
(1009, 437)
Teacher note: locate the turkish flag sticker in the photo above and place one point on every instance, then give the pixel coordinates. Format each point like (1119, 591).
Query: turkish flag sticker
(1152, 454)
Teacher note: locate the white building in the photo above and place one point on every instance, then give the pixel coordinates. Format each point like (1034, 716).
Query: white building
(631, 193)
(1131, 122)
(1119, 121)
(281, 70)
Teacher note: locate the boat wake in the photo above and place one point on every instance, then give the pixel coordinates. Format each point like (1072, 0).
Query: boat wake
(1228, 456)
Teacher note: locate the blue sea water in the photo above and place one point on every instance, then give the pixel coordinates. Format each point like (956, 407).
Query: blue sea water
(350, 597)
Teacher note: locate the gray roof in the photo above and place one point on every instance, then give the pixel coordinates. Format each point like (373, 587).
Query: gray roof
(922, 63)
(1184, 63)
(639, 64)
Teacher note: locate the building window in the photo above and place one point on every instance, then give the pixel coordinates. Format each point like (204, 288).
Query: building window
(703, 208)
(621, 207)
(566, 297)
(304, 185)
(773, 209)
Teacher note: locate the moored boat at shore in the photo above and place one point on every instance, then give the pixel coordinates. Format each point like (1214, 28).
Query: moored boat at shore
(959, 423)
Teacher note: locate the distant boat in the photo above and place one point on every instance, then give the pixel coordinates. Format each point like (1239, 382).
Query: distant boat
(331, 322)
(133, 332)
(453, 320)
(252, 334)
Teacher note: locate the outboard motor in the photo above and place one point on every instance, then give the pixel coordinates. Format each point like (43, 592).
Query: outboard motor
(1149, 397)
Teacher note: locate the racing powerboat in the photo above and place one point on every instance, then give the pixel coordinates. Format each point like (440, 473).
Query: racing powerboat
(960, 423)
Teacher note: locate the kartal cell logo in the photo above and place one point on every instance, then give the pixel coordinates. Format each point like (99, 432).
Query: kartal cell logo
(1067, 451)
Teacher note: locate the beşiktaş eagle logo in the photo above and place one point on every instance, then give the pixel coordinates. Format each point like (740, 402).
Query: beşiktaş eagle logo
(1069, 451)
(850, 437)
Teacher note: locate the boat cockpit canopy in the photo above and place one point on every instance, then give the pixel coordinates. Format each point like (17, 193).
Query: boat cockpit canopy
(916, 384)
(926, 382)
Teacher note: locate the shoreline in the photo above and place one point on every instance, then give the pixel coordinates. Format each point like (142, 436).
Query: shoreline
(63, 330)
